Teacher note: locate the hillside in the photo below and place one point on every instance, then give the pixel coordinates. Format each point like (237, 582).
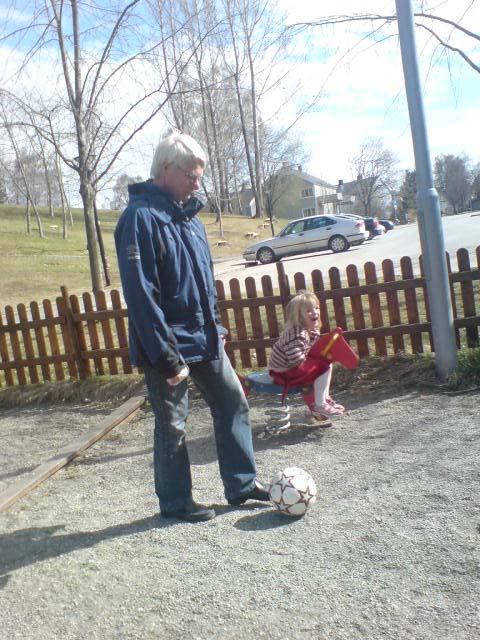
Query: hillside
(35, 268)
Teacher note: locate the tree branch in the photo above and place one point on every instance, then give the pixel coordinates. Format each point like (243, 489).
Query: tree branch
(450, 47)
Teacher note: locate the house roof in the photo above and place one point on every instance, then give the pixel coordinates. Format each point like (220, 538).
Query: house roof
(245, 196)
(308, 177)
(351, 188)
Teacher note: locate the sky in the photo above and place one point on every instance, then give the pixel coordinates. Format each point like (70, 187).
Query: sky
(363, 90)
(356, 83)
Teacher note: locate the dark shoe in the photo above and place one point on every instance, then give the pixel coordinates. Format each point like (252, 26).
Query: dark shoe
(259, 492)
(191, 513)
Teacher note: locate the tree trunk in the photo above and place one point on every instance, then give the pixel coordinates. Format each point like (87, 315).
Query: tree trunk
(106, 268)
(63, 196)
(37, 218)
(210, 151)
(259, 207)
(87, 195)
(241, 111)
(64, 219)
(47, 181)
(27, 216)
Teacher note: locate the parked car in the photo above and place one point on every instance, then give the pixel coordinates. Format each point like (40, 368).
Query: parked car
(305, 235)
(374, 227)
(372, 224)
(388, 224)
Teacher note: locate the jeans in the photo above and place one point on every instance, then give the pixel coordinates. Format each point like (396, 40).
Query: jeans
(218, 383)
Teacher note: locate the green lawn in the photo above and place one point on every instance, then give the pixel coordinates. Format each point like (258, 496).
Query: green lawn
(34, 268)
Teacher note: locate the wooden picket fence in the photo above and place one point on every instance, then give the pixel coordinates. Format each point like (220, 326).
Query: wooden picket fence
(381, 313)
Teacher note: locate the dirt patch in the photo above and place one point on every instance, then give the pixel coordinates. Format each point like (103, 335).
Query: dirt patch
(106, 390)
(390, 550)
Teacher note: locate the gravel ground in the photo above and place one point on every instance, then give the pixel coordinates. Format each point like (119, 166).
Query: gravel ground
(389, 551)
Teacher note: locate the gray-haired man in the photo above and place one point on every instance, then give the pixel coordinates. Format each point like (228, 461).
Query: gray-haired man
(175, 331)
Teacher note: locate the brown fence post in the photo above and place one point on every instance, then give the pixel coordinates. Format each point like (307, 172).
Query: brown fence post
(72, 332)
(283, 285)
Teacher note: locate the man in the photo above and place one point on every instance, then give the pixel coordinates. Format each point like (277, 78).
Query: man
(175, 331)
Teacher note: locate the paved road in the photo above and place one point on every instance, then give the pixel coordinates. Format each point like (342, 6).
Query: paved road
(462, 231)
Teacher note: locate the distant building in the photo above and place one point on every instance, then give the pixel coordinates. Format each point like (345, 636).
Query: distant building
(301, 194)
(290, 193)
(354, 194)
(243, 202)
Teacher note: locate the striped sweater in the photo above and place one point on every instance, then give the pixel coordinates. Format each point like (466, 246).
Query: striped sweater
(291, 348)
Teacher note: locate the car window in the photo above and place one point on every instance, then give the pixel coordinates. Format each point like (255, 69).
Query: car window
(293, 227)
(315, 223)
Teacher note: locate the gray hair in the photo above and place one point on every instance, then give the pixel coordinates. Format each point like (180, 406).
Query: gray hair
(179, 149)
(295, 311)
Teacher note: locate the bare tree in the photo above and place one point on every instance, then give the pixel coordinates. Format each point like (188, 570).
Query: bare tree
(280, 149)
(63, 197)
(250, 50)
(236, 45)
(408, 194)
(46, 159)
(429, 22)
(19, 171)
(3, 186)
(476, 182)
(107, 52)
(453, 180)
(120, 190)
(375, 170)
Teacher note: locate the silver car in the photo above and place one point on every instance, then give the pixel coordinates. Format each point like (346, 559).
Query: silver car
(305, 235)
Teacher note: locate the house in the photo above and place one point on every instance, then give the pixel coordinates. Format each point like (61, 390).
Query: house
(290, 193)
(356, 193)
(294, 193)
(243, 202)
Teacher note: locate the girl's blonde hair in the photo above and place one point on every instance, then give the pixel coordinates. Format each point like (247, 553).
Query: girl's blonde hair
(295, 311)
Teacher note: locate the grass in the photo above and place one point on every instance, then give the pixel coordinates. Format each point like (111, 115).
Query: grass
(110, 390)
(35, 268)
(468, 370)
(373, 377)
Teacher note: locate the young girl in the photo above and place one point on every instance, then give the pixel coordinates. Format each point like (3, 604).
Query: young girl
(290, 364)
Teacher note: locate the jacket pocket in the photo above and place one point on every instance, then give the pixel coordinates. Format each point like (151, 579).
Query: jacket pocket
(191, 340)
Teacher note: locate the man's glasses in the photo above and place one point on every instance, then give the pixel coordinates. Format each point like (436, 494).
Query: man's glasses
(190, 175)
(193, 177)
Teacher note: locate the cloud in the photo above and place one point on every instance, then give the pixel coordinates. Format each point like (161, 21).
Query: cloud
(363, 89)
(357, 86)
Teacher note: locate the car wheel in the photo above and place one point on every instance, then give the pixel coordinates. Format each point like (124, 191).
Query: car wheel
(265, 255)
(338, 244)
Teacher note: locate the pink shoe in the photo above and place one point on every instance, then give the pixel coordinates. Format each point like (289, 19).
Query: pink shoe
(334, 404)
(326, 411)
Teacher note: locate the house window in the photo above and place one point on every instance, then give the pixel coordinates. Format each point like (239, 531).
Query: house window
(307, 192)
(308, 212)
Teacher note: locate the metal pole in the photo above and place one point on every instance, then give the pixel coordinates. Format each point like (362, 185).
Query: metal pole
(429, 217)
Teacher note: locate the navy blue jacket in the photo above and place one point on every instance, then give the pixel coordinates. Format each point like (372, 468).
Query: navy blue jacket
(167, 279)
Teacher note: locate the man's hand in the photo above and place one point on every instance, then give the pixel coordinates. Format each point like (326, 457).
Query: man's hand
(179, 377)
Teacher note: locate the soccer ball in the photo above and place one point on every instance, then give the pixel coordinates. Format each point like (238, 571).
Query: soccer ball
(292, 491)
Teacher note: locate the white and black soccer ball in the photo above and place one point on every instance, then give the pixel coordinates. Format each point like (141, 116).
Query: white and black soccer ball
(292, 491)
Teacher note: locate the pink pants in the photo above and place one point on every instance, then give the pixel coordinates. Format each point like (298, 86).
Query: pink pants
(316, 371)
